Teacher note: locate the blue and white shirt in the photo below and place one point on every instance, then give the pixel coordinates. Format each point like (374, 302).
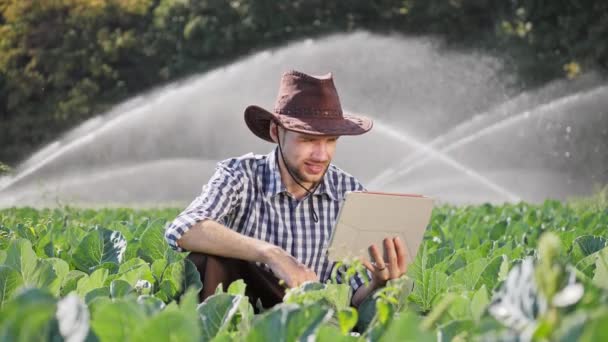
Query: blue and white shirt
(247, 195)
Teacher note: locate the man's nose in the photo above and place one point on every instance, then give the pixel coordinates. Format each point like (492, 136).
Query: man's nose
(320, 152)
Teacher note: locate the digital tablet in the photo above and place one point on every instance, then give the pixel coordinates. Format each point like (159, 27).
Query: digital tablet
(366, 218)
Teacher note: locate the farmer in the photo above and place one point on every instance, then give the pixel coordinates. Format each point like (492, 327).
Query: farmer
(265, 218)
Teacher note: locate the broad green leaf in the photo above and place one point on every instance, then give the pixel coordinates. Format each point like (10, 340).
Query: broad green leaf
(216, 313)
(168, 325)
(158, 268)
(152, 243)
(10, 281)
(103, 292)
(89, 283)
(237, 288)
(120, 288)
(29, 317)
(586, 245)
(99, 246)
(490, 274)
(50, 274)
(406, 327)
(596, 329)
(600, 278)
(347, 319)
(460, 308)
(21, 257)
(451, 330)
(468, 276)
(192, 279)
(289, 322)
(330, 333)
(117, 321)
(133, 270)
(150, 305)
(479, 302)
(73, 318)
(70, 281)
(426, 288)
(167, 291)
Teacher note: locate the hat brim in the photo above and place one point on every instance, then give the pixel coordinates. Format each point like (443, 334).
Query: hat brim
(258, 120)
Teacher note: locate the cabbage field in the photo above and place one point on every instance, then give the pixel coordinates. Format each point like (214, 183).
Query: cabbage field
(513, 272)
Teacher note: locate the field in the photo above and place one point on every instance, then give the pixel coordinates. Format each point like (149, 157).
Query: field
(512, 272)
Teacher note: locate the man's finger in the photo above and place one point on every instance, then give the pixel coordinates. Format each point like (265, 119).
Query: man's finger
(376, 257)
(389, 249)
(368, 265)
(402, 254)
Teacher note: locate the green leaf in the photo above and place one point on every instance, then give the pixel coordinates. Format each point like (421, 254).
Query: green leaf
(152, 243)
(217, 312)
(150, 305)
(426, 288)
(406, 327)
(116, 321)
(468, 277)
(490, 274)
(29, 317)
(347, 319)
(479, 302)
(237, 288)
(289, 322)
(158, 268)
(21, 257)
(10, 281)
(94, 281)
(120, 288)
(449, 331)
(330, 333)
(168, 325)
(100, 292)
(133, 270)
(600, 278)
(99, 246)
(586, 245)
(70, 281)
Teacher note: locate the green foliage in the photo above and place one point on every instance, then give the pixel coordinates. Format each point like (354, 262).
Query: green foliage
(489, 272)
(63, 61)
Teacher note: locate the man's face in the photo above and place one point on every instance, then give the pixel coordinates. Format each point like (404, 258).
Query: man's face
(307, 156)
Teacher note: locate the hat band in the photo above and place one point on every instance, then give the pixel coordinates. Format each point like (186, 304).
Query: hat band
(309, 112)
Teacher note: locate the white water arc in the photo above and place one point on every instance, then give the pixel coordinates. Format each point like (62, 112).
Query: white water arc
(160, 147)
(433, 153)
(554, 107)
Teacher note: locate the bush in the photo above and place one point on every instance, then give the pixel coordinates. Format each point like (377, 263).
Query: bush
(62, 61)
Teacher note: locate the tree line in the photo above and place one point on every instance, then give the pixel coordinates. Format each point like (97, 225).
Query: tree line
(62, 61)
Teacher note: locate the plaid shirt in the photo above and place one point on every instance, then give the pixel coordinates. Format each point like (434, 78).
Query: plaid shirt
(247, 195)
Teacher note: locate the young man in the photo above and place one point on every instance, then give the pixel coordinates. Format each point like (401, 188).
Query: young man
(262, 218)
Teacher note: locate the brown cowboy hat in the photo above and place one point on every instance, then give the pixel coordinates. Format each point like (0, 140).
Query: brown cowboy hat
(306, 104)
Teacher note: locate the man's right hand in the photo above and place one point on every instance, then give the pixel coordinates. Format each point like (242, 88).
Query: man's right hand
(288, 268)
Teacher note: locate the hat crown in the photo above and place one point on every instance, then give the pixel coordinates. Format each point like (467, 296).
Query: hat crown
(302, 95)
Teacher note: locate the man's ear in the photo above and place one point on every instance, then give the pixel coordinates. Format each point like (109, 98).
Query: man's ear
(274, 131)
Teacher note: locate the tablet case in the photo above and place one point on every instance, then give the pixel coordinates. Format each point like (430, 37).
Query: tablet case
(367, 218)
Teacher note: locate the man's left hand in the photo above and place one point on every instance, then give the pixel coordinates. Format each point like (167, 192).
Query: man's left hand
(393, 267)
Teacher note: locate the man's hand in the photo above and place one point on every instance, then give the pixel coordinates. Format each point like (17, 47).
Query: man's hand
(392, 268)
(288, 268)
(382, 270)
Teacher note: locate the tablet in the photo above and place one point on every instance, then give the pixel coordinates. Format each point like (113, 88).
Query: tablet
(366, 218)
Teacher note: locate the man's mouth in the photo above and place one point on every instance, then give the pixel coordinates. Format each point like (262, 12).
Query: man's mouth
(314, 169)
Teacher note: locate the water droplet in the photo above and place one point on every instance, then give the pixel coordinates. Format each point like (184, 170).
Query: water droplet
(567, 154)
(568, 129)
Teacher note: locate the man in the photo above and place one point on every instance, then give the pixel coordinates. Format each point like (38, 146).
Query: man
(262, 218)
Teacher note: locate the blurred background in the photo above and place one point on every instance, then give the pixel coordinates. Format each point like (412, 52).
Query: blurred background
(132, 102)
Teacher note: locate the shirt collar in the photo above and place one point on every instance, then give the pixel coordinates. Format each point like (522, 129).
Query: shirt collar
(273, 184)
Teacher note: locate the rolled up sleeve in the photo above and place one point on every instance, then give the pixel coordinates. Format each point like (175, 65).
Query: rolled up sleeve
(217, 199)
